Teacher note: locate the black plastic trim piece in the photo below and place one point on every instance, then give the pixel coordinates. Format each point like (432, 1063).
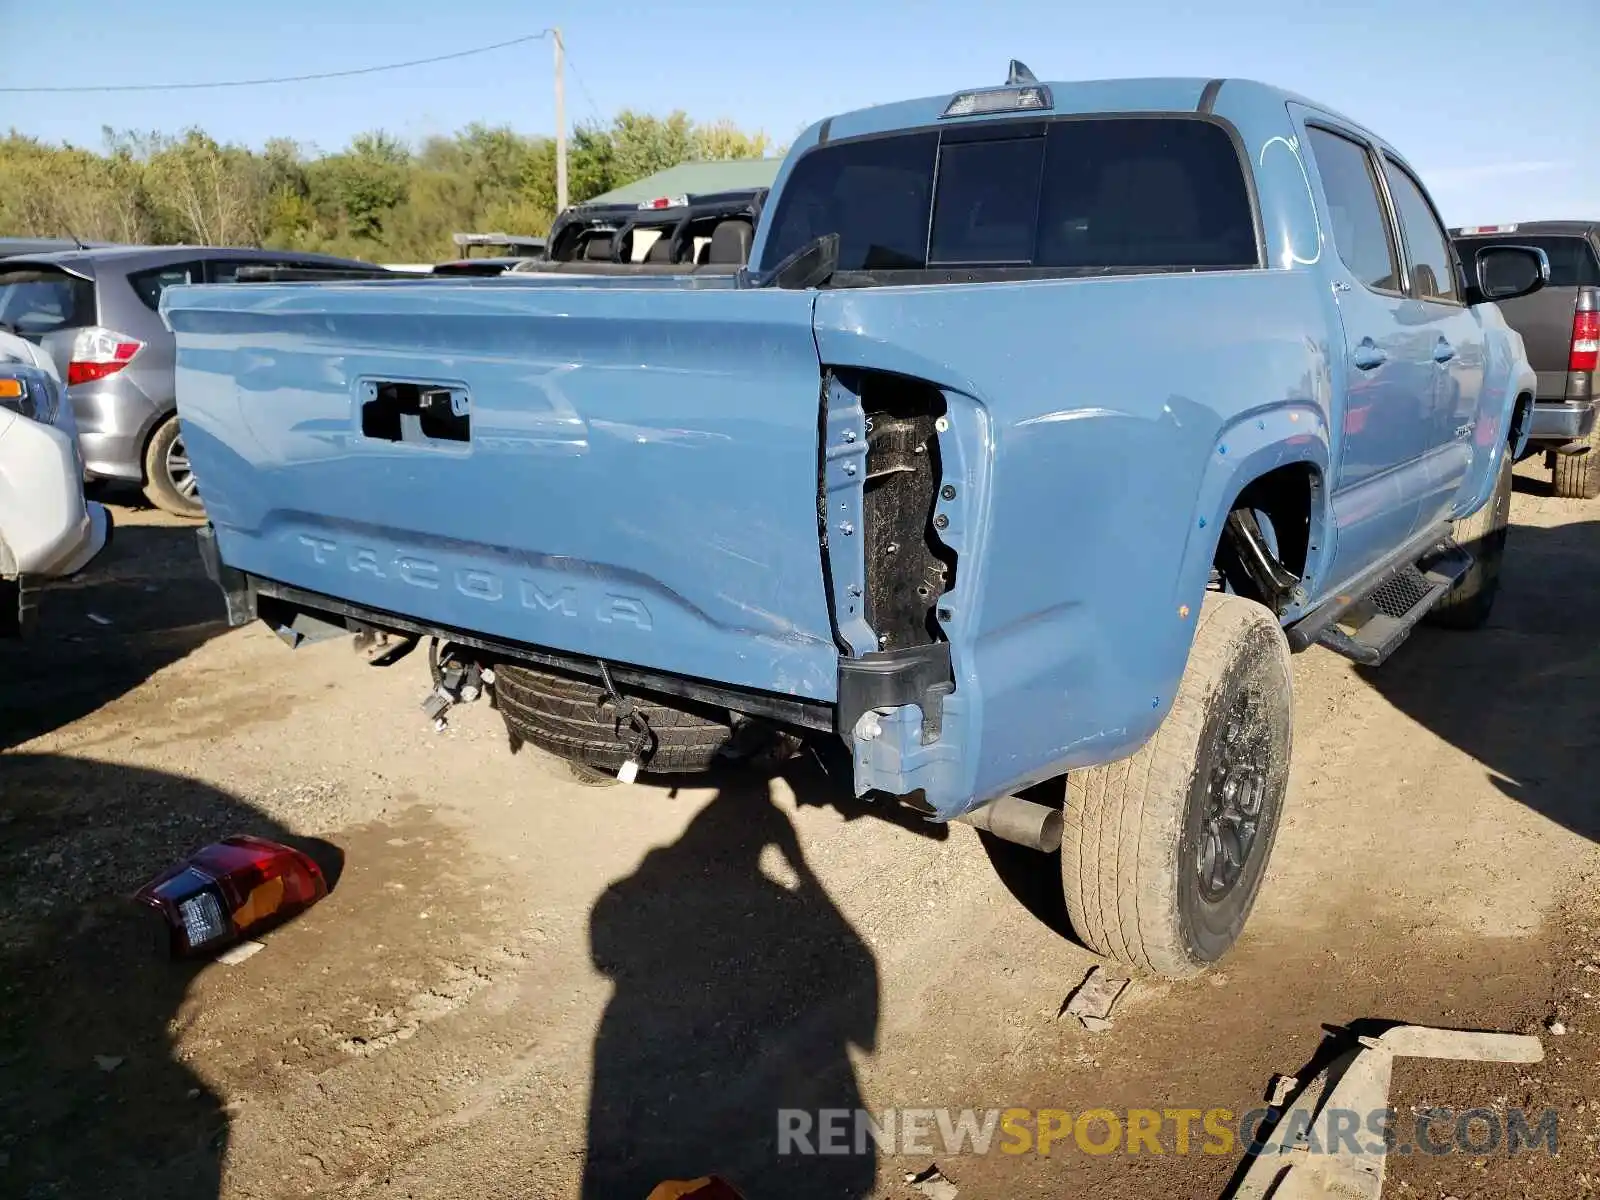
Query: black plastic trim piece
(788, 710)
(1272, 581)
(1208, 98)
(919, 675)
(1309, 628)
(822, 133)
(317, 274)
(238, 596)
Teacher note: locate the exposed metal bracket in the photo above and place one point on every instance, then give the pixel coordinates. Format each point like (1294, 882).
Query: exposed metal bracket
(1275, 583)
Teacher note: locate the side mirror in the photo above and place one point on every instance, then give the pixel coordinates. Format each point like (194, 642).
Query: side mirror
(1506, 272)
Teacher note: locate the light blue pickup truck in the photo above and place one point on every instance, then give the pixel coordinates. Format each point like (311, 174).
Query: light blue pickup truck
(1044, 422)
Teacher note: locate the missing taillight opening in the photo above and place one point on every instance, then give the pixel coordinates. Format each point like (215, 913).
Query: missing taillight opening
(907, 567)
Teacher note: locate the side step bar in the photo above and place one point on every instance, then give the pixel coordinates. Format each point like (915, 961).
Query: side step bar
(1398, 594)
(1398, 605)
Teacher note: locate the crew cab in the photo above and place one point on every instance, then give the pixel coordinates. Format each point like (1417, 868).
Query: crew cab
(1045, 422)
(1561, 328)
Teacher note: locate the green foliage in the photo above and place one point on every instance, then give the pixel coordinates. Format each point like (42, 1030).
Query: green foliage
(378, 198)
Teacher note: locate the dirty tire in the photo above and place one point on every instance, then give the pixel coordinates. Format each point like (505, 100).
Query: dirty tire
(1483, 535)
(159, 487)
(1577, 476)
(575, 720)
(1135, 831)
(588, 776)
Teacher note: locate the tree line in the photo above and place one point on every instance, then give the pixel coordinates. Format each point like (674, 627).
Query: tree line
(379, 198)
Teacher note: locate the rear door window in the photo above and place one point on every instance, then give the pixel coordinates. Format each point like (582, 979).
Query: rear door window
(1124, 193)
(36, 301)
(1361, 230)
(148, 285)
(1572, 259)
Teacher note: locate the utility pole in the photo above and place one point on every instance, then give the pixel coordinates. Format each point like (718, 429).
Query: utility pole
(561, 124)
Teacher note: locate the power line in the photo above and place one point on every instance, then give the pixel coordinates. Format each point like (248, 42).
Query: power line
(237, 83)
(582, 86)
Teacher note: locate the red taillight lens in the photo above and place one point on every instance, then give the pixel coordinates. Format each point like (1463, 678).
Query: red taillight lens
(98, 352)
(230, 889)
(1585, 342)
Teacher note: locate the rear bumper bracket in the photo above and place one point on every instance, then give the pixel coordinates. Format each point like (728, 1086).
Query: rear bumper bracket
(919, 675)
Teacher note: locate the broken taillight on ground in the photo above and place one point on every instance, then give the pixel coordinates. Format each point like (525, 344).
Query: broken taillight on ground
(229, 890)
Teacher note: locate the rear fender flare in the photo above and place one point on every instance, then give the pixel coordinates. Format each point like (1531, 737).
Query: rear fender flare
(1251, 446)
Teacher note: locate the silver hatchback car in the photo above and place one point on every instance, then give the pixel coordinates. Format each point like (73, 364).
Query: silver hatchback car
(95, 311)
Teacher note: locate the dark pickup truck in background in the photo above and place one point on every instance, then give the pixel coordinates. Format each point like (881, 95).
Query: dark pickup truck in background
(1560, 327)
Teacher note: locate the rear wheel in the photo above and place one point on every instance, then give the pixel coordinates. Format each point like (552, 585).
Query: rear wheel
(1577, 476)
(1163, 853)
(169, 479)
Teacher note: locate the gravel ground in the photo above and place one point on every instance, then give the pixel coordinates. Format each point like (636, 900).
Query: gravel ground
(513, 969)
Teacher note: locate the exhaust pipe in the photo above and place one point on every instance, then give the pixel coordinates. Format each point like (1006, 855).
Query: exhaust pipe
(1013, 819)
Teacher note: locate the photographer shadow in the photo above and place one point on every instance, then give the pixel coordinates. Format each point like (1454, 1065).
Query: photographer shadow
(740, 989)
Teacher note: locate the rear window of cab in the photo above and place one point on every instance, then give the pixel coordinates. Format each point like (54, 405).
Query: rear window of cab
(1100, 194)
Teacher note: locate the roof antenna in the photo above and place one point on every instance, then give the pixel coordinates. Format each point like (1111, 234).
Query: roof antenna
(1019, 73)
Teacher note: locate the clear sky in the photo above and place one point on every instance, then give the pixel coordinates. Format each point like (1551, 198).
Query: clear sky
(1493, 100)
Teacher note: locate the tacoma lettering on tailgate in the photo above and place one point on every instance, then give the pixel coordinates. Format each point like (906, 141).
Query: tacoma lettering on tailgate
(609, 608)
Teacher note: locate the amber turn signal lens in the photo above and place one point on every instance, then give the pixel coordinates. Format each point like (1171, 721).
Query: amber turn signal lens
(230, 890)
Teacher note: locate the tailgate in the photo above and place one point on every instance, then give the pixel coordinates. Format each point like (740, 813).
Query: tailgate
(1544, 320)
(631, 475)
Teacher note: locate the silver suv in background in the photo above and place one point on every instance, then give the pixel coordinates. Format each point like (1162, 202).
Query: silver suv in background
(94, 312)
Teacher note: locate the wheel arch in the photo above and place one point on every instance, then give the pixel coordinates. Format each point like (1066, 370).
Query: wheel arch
(147, 433)
(1521, 422)
(1278, 458)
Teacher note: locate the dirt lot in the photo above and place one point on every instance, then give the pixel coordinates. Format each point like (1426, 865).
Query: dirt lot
(514, 970)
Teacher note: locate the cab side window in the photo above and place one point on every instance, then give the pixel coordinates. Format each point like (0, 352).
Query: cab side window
(1360, 228)
(1428, 258)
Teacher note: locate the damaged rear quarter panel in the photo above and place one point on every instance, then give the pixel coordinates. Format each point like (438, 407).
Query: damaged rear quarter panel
(1085, 557)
